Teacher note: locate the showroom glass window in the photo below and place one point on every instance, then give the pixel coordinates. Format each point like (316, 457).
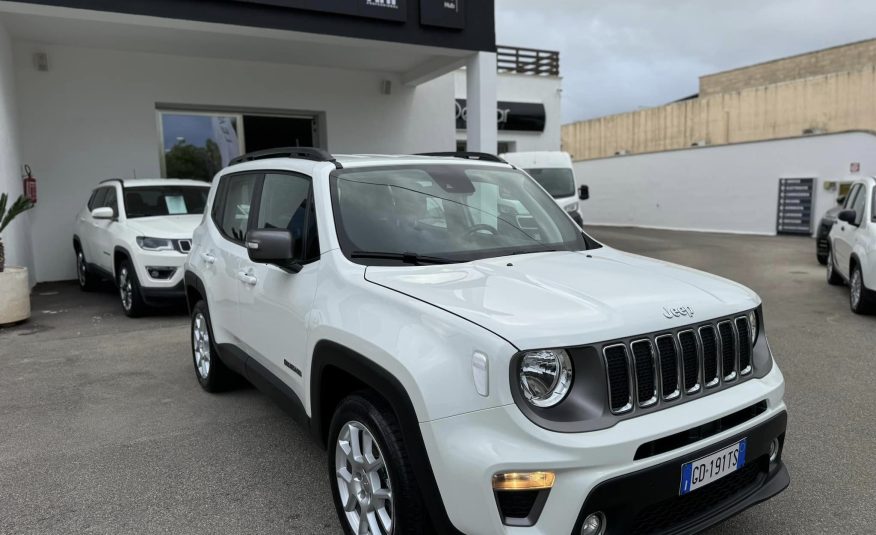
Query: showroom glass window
(198, 145)
(285, 202)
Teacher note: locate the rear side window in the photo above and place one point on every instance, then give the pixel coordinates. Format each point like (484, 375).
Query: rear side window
(233, 217)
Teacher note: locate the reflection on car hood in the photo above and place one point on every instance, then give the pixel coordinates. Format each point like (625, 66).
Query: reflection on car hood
(173, 226)
(569, 298)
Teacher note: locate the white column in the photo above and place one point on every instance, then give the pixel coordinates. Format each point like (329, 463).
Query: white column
(16, 237)
(481, 103)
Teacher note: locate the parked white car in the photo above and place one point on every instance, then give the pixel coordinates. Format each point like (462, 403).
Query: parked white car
(137, 233)
(554, 172)
(852, 255)
(470, 375)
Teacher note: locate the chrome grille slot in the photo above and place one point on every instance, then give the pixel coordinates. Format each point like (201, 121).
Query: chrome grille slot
(709, 344)
(745, 348)
(668, 354)
(646, 372)
(728, 350)
(690, 361)
(617, 369)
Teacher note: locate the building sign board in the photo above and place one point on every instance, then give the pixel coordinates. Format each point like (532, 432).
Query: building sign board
(795, 206)
(516, 116)
(372, 9)
(442, 13)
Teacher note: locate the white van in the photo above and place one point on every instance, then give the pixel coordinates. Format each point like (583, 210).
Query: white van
(553, 170)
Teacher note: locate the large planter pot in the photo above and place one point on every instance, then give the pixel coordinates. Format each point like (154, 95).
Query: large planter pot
(14, 295)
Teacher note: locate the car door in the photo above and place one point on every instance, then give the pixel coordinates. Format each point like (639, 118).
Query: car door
(86, 227)
(844, 233)
(220, 256)
(102, 237)
(275, 303)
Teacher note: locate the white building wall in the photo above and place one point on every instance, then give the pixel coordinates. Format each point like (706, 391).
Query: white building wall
(93, 116)
(15, 237)
(731, 188)
(510, 87)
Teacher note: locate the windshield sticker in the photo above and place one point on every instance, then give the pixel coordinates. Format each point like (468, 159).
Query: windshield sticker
(176, 205)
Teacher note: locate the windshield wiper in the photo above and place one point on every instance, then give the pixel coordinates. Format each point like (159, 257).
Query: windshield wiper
(407, 258)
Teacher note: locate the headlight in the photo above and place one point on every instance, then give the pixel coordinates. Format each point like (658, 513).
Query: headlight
(154, 244)
(571, 207)
(753, 326)
(545, 376)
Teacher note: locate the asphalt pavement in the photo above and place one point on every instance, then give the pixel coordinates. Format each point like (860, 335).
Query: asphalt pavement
(103, 428)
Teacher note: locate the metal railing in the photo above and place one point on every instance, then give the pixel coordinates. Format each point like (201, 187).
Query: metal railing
(528, 61)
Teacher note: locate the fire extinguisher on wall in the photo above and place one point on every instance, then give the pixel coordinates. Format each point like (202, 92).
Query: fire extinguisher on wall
(30, 186)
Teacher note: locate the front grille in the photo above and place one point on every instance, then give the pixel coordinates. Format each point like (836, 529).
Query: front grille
(618, 372)
(678, 510)
(709, 342)
(646, 372)
(668, 366)
(744, 349)
(650, 370)
(728, 350)
(690, 361)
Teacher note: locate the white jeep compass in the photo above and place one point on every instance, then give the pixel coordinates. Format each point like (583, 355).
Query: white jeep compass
(471, 360)
(137, 233)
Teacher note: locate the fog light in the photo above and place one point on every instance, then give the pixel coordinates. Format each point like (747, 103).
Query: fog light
(774, 450)
(523, 481)
(594, 524)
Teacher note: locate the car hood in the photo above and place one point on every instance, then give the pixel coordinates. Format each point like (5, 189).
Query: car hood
(569, 298)
(175, 226)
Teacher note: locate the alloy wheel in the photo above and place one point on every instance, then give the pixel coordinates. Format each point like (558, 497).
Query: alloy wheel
(201, 345)
(856, 288)
(126, 289)
(363, 481)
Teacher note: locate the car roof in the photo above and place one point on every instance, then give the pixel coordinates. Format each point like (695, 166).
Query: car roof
(143, 182)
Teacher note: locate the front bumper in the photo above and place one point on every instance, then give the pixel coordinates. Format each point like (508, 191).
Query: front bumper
(467, 450)
(160, 289)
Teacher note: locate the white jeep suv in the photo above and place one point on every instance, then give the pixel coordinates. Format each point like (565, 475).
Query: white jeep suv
(851, 255)
(467, 373)
(137, 233)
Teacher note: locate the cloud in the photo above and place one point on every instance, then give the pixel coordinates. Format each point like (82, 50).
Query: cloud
(620, 55)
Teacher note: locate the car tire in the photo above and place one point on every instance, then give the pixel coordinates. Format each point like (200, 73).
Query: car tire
(822, 259)
(211, 372)
(88, 281)
(833, 277)
(370, 472)
(129, 290)
(861, 300)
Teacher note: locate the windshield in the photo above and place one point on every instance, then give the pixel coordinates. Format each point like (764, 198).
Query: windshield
(149, 201)
(558, 181)
(446, 213)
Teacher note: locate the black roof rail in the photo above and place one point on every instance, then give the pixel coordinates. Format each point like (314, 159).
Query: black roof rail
(483, 156)
(301, 153)
(122, 180)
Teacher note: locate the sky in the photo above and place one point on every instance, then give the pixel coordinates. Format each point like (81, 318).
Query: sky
(622, 55)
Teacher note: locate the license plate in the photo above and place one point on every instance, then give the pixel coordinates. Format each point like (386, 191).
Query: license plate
(712, 467)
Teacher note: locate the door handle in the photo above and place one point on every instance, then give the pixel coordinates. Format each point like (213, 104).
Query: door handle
(208, 258)
(246, 278)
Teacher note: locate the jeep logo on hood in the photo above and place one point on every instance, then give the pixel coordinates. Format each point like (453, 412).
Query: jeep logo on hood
(677, 312)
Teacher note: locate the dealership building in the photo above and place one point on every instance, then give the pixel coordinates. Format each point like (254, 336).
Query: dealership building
(762, 149)
(91, 90)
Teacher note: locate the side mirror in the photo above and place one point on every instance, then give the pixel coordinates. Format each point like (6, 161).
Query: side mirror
(104, 212)
(848, 216)
(272, 246)
(584, 192)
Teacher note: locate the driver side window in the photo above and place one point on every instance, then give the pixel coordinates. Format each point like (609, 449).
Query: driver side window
(284, 204)
(860, 204)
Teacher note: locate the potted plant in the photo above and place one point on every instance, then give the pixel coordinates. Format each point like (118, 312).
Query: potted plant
(14, 284)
